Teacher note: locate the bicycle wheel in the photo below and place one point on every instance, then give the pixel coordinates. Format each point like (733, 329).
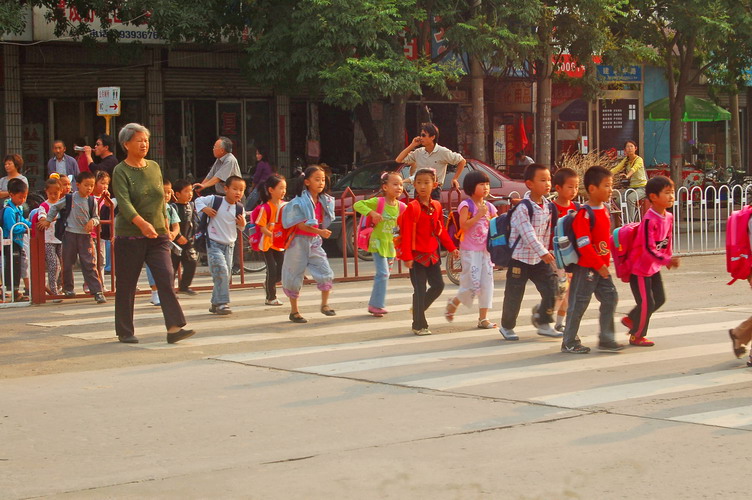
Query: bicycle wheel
(253, 262)
(453, 268)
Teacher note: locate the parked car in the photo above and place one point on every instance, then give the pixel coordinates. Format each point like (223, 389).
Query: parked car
(364, 182)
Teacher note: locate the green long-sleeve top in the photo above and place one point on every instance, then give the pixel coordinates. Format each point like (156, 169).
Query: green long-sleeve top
(139, 191)
(382, 237)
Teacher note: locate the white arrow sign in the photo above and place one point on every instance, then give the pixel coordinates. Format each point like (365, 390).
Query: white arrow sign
(108, 101)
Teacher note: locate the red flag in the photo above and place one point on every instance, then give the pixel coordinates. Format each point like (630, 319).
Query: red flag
(523, 135)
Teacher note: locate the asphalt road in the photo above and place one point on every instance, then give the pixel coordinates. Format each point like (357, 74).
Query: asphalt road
(357, 407)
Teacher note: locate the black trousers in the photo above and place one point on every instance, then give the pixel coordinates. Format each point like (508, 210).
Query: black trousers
(12, 254)
(130, 255)
(273, 259)
(649, 295)
(188, 260)
(422, 298)
(543, 277)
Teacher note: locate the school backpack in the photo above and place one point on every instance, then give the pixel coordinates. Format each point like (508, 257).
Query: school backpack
(200, 242)
(499, 232)
(280, 235)
(365, 228)
(62, 218)
(738, 258)
(564, 241)
(453, 223)
(623, 248)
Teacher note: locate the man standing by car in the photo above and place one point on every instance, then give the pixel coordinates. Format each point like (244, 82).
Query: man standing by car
(225, 165)
(424, 152)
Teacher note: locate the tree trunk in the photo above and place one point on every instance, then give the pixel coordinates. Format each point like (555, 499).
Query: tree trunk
(736, 145)
(363, 114)
(478, 149)
(543, 115)
(676, 138)
(399, 104)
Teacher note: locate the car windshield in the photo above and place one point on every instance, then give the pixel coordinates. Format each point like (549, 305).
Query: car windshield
(361, 178)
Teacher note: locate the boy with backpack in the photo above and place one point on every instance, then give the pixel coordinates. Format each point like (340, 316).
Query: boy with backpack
(592, 227)
(652, 249)
(14, 226)
(77, 216)
(530, 237)
(188, 257)
(221, 217)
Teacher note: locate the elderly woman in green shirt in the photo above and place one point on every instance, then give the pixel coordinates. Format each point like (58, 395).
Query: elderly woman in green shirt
(141, 236)
(634, 169)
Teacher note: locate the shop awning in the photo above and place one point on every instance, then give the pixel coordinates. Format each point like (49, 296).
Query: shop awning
(695, 110)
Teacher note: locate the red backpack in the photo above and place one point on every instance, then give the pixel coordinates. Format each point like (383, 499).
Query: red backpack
(738, 258)
(280, 235)
(624, 250)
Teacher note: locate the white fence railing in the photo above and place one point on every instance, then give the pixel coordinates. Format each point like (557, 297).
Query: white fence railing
(8, 292)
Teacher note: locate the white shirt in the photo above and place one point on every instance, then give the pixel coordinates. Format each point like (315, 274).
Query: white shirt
(437, 159)
(222, 227)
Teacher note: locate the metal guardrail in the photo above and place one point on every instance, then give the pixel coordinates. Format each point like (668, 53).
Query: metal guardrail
(8, 291)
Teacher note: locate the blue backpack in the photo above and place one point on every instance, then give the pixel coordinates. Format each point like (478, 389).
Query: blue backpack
(500, 229)
(564, 241)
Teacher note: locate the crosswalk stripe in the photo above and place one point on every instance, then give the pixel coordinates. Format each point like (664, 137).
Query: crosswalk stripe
(731, 417)
(578, 364)
(612, 393)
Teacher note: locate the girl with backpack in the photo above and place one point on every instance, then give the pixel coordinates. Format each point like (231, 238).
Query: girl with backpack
(271, 237)
(383, 212)
(476, 279)
(309, 215)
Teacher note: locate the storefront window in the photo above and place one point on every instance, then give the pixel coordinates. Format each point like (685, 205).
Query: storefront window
(258, 132)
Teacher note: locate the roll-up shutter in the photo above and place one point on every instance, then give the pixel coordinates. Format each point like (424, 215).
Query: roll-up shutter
(65, 82)
(216, 83)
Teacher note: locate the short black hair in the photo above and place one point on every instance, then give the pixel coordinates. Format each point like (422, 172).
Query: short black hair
(562, 175)
(16, 186)
(180, 184)
(431, 129)
(86, 174)
(595, 175)
(426, 171)
(101, 174)
(532, 169)
(108, 141)
(233, 178)
(166, 182)
(657, 184)
(472, 179)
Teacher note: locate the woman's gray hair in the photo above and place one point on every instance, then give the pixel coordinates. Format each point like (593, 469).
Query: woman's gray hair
(226, 143)
(126, 133)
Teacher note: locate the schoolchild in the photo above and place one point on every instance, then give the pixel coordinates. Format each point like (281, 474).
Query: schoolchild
(77, 242)
(421, 229)
(476, 279)
(381, 243)
(222, 232)
(653, 250)
(101, 186)
(272, 242)
(590, 275)
(187, 259)
(14, 223)
(173, 228)
(532, 259)
(310, 213)
(53, 247)
(566, 183)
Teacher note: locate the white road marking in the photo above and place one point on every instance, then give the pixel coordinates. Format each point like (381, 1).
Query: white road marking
(731, 417)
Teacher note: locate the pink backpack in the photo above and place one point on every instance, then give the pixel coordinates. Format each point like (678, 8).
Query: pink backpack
(365, 228)
(738, 258)
(254, 231)
(623, 249)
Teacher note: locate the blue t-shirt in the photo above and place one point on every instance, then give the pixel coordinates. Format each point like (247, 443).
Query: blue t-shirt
(12, 215)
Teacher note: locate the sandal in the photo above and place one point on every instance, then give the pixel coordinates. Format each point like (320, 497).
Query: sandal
(327, 311)
(449, 315)
(485, 324)
(297, 318)
(738, 351)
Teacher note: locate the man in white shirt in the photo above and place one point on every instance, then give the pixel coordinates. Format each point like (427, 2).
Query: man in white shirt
(225, 165)
(423, 152)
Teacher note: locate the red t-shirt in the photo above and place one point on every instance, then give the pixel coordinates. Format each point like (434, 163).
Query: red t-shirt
(593, 245)
(428, 228)
(565, 210)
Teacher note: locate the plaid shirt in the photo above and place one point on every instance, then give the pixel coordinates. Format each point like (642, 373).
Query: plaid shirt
(535, 236)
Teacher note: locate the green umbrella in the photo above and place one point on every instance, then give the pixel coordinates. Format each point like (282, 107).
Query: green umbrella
(695, 110)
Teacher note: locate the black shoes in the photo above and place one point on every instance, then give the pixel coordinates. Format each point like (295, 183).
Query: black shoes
(610, 346)
(189, 291)
(297, 318)
(128, 340)
(179, 335)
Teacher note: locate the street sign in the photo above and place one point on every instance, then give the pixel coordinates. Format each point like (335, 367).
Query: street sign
(108, 101)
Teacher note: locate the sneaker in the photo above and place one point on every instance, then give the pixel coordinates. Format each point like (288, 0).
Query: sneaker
(222, 310)
(377, 311)
(273, 302)
(508, 334)
(610, 346)
(188, 291)
(534, 317)
(547, 331)
(575, 349)
(235, 271)
(213, 309)
(640, 341)
(559, 327)
(422, 331)
(154, 298)
(627, 321)
(99, 297)
(69, 293)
